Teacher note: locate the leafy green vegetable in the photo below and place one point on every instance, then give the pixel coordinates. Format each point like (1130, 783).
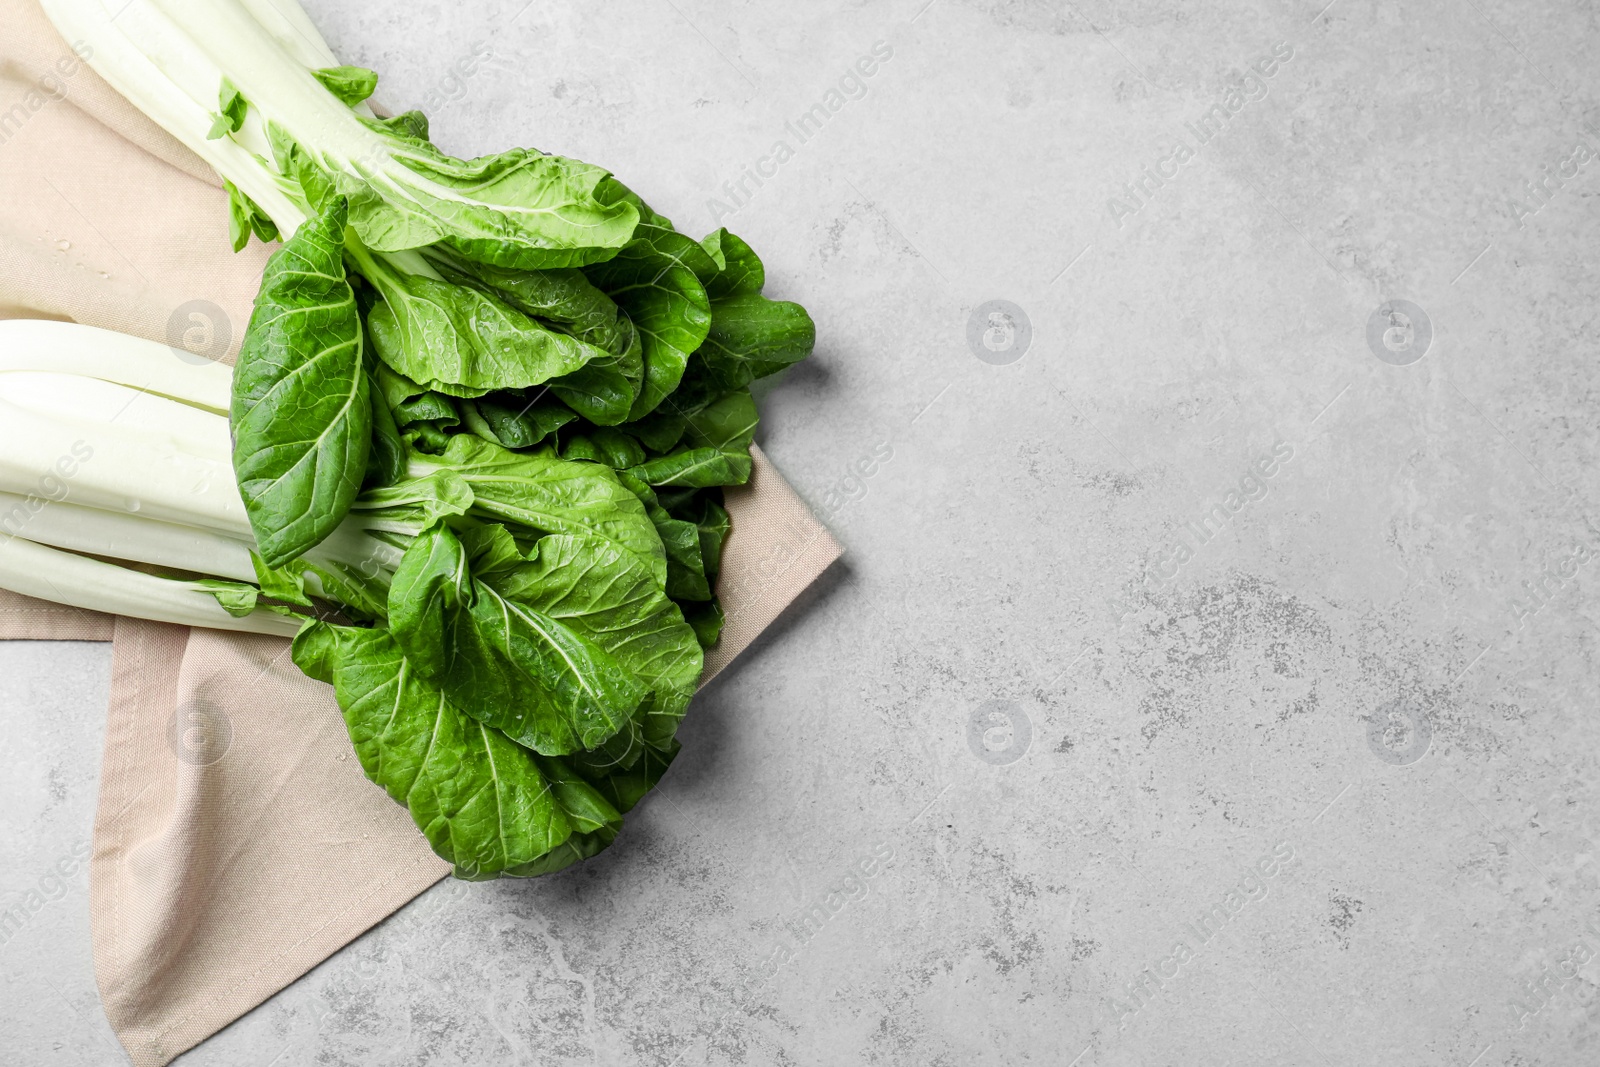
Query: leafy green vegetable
(386, 463)
(544, 682)
(563, 296)
(485, 410)
(517, 209)
(463, 341)
(246, 217)
(546, 493)
(657, 280)
(686, 571)
(351, 85)
(713, 525)
(527, 424)
(412, 505)
(486, 804)
(427, 407)
(739, 269)
(302, 412)
(231, 110)
(707, 620)
(602, 391)
(237, 598)
(604, 445)
(752, 337)
(610, 597)
(286, 584)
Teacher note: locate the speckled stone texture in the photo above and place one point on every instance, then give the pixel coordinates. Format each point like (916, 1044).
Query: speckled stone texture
(1205, 394)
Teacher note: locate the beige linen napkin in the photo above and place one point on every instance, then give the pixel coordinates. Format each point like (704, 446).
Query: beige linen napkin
(236, 843)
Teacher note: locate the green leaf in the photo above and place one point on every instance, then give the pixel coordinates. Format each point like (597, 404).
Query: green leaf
(518, 209)
(612, 191)
(739, 269)
(657, 280)
(713, 525)
(431, 407)
(698, 467)
(316, 650)
(246, 217)
(232, 108)
(408, 125)
(386, 464)
(707, 620)
(603, 390)
(625, 788)
(574, 849)
(360, 587)
(660, 430)
(716, 450)
(396, 388)
(351, 85)
(428, 437)
(543, 492)
(236, 598)
(412, 505)
(461, 340)
(543, 681)
(686, 570)
(612, 599)
(302, 413)
(287, 584)
(729, 420)
(614, 448)
(519, 423)
(752, 337)
(563, 296)
(492, 552)
(487, 805)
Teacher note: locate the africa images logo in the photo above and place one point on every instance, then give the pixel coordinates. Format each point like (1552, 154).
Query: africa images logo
(999, 332)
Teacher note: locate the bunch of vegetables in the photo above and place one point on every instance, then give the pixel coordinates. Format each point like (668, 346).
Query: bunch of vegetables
(471, 456)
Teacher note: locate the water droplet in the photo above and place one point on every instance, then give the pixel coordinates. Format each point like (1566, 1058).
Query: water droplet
(132, 504)
(64, 245)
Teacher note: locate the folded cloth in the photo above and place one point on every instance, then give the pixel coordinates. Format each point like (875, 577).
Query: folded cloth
(236, 842)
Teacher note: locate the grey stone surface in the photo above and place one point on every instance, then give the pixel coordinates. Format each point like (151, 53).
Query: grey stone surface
(1358, 717)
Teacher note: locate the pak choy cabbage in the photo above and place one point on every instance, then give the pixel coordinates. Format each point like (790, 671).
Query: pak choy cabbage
(481, 423)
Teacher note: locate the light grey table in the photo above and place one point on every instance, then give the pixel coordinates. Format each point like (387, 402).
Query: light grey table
(1211, 678)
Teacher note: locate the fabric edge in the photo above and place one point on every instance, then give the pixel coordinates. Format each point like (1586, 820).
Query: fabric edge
(820, 553)
(134, 646)
(150, 1048)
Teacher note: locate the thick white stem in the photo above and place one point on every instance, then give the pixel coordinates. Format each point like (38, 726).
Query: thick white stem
(148, 477)
(64, 578)
(119, 535)
(108, 466)
(294, 31)
(72, 348)
(160, 71)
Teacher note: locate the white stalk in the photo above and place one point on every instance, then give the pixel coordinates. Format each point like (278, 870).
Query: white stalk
(136, 441)
(110, 467)
(118, 535)
(168, 57)
(162, 73)
(294, 31)
(64, 578)
(132, 412)
(72, 348)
